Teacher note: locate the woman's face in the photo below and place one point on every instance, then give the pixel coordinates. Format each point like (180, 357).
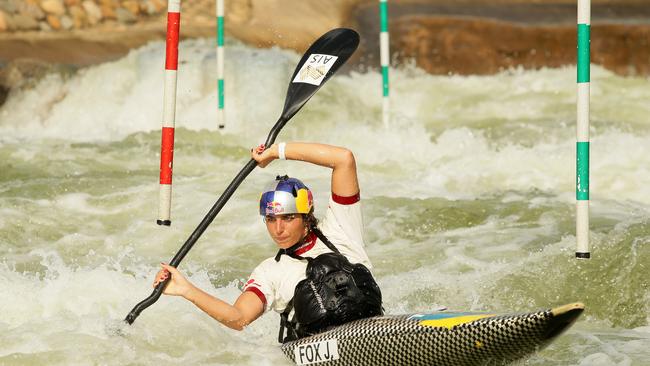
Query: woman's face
(286, 230)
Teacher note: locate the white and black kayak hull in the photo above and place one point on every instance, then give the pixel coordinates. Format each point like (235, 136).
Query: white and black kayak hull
(434, 339)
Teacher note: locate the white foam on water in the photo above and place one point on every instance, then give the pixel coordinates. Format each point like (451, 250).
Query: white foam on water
(80, 245)
(460, 162)
(53, 311)
(113, 100)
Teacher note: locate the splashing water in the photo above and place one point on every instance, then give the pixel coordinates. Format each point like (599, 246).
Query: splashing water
(468, 202)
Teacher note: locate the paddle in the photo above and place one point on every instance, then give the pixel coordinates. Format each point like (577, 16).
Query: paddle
(316, 66)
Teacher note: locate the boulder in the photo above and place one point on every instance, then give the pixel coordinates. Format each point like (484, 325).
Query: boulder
(4, 25)
(79, 17)
(31, 8)
(24, 22)
(131, 6)
(111, 3)
(66, 22)
(55, 7)
(53, 21)
(9, 6)
(44, 26)
(124, 16)
(108, 12)
(153, 7)
(93, 11)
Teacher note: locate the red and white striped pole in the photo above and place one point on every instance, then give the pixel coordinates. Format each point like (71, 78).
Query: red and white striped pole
(169, 112)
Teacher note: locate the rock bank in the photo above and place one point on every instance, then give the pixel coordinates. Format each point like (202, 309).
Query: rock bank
(486, 38)
(62, 15)
(440, 36)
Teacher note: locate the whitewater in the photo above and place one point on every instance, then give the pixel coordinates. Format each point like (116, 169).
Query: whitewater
(468, 201)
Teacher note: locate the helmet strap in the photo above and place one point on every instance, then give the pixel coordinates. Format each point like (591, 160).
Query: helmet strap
(311, 228)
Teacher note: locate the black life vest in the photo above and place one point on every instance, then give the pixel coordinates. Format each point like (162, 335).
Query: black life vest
(335, 292)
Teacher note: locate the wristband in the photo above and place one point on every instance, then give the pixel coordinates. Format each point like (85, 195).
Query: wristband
(281, 153)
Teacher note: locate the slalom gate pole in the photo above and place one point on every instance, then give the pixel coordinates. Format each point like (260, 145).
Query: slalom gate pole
(384, 58)
(169, 112)
(582, 132)
(221, 120)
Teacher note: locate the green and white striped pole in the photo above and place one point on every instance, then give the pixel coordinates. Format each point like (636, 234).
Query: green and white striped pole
(582, 146)
(384, 57)
(221, 120)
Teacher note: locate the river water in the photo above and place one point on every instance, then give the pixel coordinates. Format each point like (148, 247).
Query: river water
(468, 202)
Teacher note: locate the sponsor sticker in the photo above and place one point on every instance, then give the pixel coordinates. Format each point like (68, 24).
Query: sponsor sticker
(274, 208)
(315, 352)
(251, 282)
(314, 70)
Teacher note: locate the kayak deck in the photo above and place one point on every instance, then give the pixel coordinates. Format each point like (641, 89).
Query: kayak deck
(434, 339)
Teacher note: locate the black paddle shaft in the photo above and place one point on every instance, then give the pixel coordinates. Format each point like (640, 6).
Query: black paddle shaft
(339, 43)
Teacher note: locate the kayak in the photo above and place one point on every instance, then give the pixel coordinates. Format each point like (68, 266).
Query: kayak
(439, 338)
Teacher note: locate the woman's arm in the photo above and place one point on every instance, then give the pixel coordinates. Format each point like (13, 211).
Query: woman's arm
(341, 160)
(246, 309)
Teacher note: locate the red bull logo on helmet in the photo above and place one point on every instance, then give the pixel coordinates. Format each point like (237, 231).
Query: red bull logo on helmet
(274, 208)
(285, 196)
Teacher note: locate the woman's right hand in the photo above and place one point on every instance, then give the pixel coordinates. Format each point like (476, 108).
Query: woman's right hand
(177, 286)
(264, 156)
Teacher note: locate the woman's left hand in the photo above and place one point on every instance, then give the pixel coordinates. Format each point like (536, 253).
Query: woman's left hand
(177, 286)
(264, 157)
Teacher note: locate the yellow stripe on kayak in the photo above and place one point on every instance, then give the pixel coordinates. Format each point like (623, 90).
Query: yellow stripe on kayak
(452, 322)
